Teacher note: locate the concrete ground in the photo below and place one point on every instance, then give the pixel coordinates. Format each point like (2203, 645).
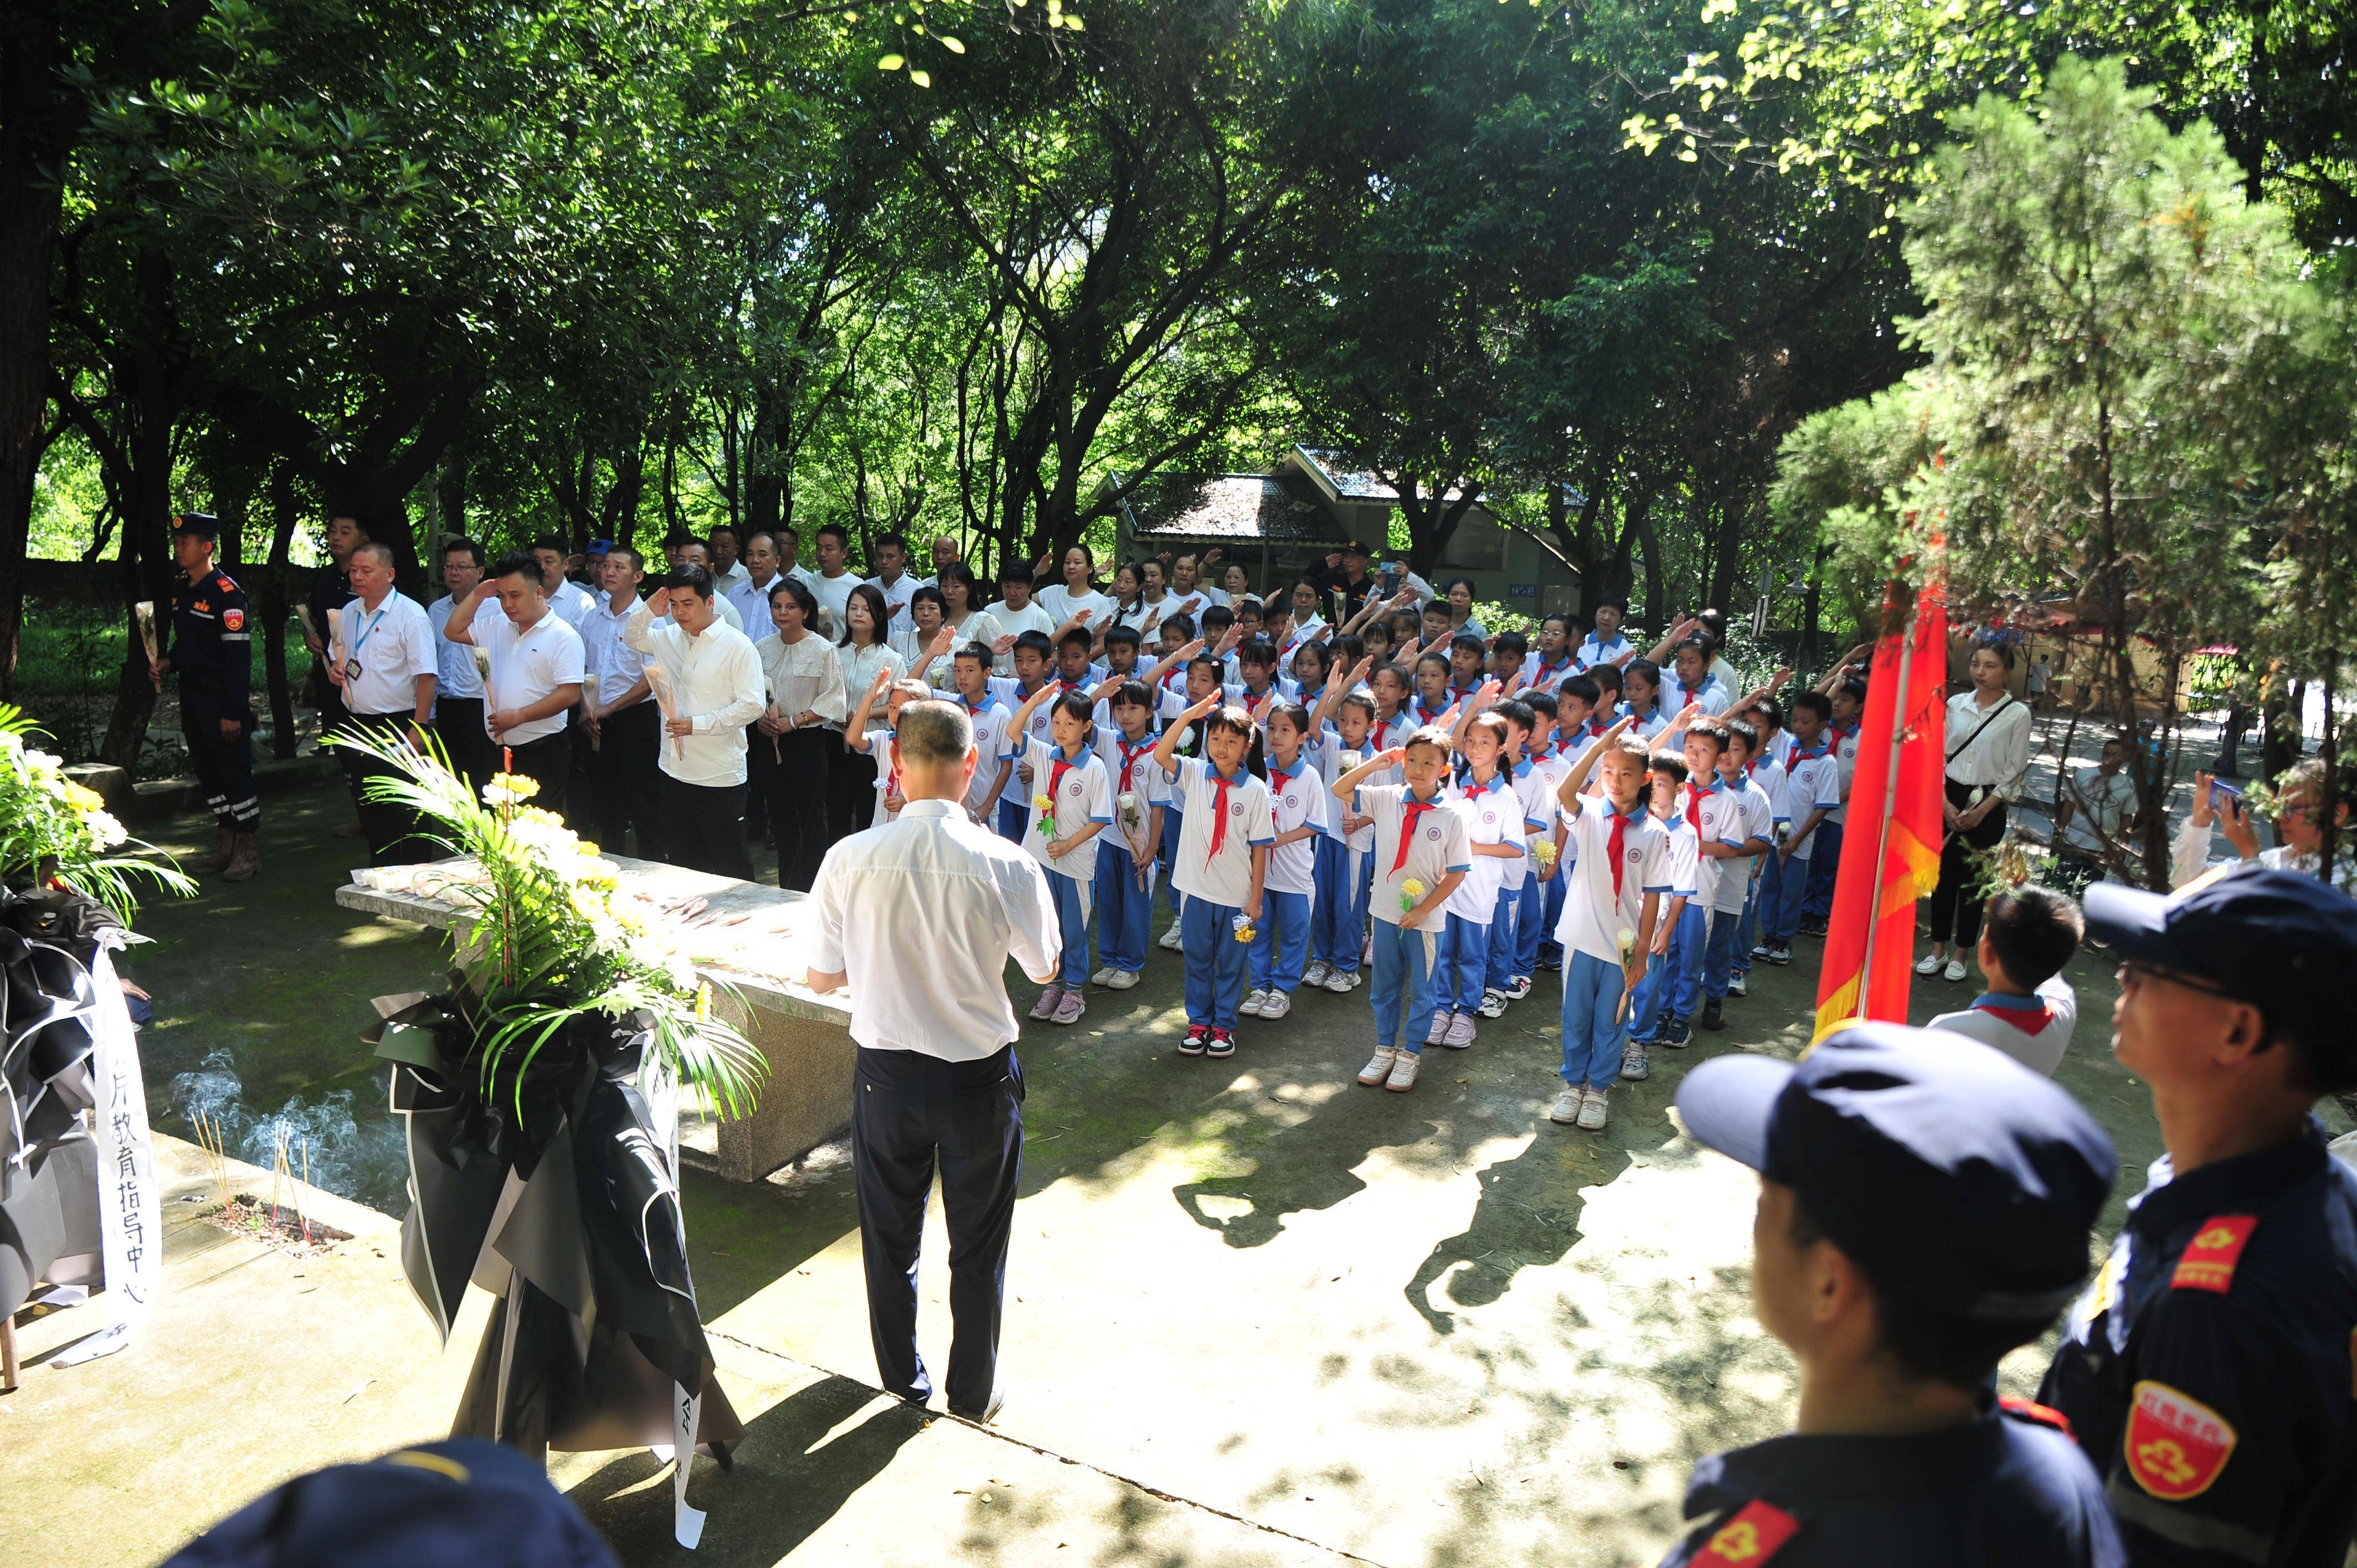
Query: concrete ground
(1256, 1314)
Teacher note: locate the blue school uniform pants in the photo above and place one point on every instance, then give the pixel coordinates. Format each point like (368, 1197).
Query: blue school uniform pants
(1530, 925)
(1824, 866)
(1215, 961)
(1014, 815)
(1758, 909)
(1594, 1032)
(1672, 981)
(1072, 922)
(1464, 964)
(1792, 892)
(1549, 949)
(1172, 821)
(1125, 910)
(1338, 927)
(1505, 937)
(1281, 947)
(1402, 992)
(1719, 954)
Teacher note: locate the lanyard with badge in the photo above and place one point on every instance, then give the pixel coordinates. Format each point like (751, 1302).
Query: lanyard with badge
(352, 664)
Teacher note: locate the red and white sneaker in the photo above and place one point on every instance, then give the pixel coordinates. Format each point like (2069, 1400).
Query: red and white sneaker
(1222, 1044)
(1197, 1037)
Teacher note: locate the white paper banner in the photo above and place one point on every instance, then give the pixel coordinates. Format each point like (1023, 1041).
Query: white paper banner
(131, 1223)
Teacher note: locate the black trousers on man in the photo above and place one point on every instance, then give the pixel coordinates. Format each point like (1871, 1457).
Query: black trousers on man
(547, 762)
(908, 1111)
(458, 724)
(703, 828)
(625, 781)
(392, 831)
(224, 766)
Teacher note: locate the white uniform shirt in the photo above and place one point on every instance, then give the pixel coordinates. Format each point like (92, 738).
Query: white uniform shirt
(832, 593)
(992, 747)
(526, 666)
(977, 899)
(1333, 759)
(394, 644)
(1493, 814)
(1597, 905)
(455, 671)
(1845, 759)
(1295, 799)
(1773, 783)
(1814, 780)
(1757, 819)
(572, 601)
(1536, 781)
(1591, 652)
(1061, 605)
(1680, 861)
(1130, 764)
(1224, 879)
(2033, 1031)
(716, 682)
(1989, 747)
(613, 666)
(1085, 796)
(752, 606)
(1545, 677)
(1721, 813)
(1436, 845)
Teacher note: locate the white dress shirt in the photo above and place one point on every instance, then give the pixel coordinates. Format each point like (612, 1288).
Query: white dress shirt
(969, 896)
(715, 683)
(1997, 758)
(803, 677)
(613, 666)
(859, 667)
(572, 601)
(527, 664)
(751, 603)
(732, 578)
(455, 673)
(394, 644)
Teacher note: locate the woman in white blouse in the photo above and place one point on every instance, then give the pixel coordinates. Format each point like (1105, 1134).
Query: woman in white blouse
(1076, 593)
(1988, 756)
(794, 750)
(1187, 586)
(851, 785)
(928, 613)
(961, 603)
(1129, 606)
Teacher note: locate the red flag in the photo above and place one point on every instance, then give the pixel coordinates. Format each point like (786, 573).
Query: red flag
(1891, 849)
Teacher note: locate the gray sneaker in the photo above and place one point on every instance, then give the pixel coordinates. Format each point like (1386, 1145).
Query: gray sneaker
(1634, 1065)
(1070, 1009)
(1460, 1031)
(1439, 1031)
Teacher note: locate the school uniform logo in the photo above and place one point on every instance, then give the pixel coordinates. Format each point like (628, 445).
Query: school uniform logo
(2176, 1445)
(1432, 834)
(1236, 810)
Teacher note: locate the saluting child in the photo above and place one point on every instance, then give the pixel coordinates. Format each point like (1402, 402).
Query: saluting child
(1034, 653)
(1683, 928)
(1431, 703)
(1298, 807)
(1757, 940)
(1422, 856)
(896, 694)
(1071, 803)
(1493, 835)
(1739, 767)
(1338, 930)
(1514, 940)
(1221, 866)
(1608, 915)
(994, 733)
(1812, 793)
(1203, 682)
(1129, 857)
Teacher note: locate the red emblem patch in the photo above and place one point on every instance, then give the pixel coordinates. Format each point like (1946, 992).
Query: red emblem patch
(2176, 1446)
(234, 621)
(1754, 1535)
(2208, 1261)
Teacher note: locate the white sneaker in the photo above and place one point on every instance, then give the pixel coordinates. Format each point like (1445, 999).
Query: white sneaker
(1591, 1110)
(1736, 986)
(1120, 979)
(1341, 982)
(1954, 972)
(1101, 977)
(1518, 988)
(1460, 1031)
(1493, 1003)
(1379, 1065)
(1316, 973)
(1440, 1030)
(1927, 964)
(1277, 1006)
(1171, 937)
(1567, 1106)
(1367, 955)
(1404, 1070)
(1254, 1004)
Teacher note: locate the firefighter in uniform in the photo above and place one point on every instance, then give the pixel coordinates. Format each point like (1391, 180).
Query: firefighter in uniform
(1924, 1208)
(2207, 1370)
(209, 642)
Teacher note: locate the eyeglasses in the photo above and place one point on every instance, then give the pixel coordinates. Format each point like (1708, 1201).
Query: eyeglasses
(2133, 973)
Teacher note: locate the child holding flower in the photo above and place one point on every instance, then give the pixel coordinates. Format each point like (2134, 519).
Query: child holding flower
(1618, 877)
(1220, 866)
(1298, 805)
(1071, 803)
(1422, 856)
(1127, 857)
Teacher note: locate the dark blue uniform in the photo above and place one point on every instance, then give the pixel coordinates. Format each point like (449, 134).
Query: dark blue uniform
(210, 646)
(2207, 1370)
(2010, 1491)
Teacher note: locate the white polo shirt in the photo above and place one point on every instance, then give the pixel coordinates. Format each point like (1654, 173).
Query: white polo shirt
(1083, 796)
(1596, 905)
(1131, 767)
(1592, 652)
(1224, 879)
(394, 644)
(1681, 858)
(1435, 842)
(978, 899)
(1297, 798)
(715, 683)
(2033, 1030)
(572, 601)
(992, 747)
(832, 593)
(1493, 814)
(1811, 782)
(613, 666)
(527, 664)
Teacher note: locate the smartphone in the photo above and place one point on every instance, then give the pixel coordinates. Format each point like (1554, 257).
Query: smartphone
(2220, 793)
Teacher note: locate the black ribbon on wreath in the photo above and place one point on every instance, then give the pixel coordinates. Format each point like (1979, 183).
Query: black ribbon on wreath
(552, 1186)
(49, 1220)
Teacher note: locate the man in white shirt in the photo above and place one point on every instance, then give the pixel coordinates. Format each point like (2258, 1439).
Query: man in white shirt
(2098, 812)
(696, 552)
(832, 583)
(458, 685)
(749, 597)
(536, 673)
(730, 568)
(565, 596)
(384, 663)
(713, 681)
(619, 713)
(2029, 1010)
(936, 1083)
(945, 553)
(892, 580)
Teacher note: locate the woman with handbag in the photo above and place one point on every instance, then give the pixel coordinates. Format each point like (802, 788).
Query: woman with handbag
(1988, 756)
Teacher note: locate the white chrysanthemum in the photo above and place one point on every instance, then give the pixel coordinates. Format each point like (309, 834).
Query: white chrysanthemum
(104, 829)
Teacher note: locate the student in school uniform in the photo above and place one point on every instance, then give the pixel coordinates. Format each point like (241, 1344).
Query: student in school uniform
(1604, 644)
(1555, 661)
(1339, 920)
(1740, 829)
(1430, 702)
(1608, 915)
(1536, 777)
(1422, 857)
(891, 694)
(1767, 767)
(1128, 856)
(994, 734)
(1071, 804)
(1761, 782)
(1492, 815)
(537, 672)
(1221, 866)
(1297, 811)
(1848, 698)
(2029, 1010)
(1812, 791)
(1203, 682)
(1672, 984)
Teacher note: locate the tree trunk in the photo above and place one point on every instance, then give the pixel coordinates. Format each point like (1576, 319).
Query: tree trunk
(36, 121)
(1642, 521)
(270, 609)
(150, 376)
(2280, 741)
(1728, 556)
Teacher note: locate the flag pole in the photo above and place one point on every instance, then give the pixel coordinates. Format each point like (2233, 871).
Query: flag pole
(1890, 806)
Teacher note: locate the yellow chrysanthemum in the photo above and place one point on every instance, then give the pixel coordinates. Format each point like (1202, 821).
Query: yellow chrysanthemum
(83, 799)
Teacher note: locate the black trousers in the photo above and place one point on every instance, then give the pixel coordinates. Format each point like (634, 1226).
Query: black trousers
(791, 778)
(908, 1111)
(703, 827)
(547, 762)
(1954, 906)
(392, 831)
(625, 782)
(225, 767)
(850, 793)
(458, 725)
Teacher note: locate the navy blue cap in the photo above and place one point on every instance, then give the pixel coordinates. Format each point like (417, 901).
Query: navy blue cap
(1954, 1175)
(2284, 941)
(204, 524)
(600, 547)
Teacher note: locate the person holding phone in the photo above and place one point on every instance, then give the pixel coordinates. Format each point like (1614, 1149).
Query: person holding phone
(2298, 811)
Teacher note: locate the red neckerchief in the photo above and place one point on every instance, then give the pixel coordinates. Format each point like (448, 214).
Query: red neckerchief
(1620, 836)
(1410, 810)
(1595, 727)
(2031, 1020)
(1540, 753)
(1550, 672)
(1056, 780)
(1693, 816)
(1129, 757)
(1219, 812)
(1459, 693)
(1824, 744)
(1428, 715)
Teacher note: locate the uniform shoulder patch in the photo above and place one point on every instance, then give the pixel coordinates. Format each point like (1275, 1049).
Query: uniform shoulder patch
(234, 618)
(2031, 1411)
(2176, 1445)
(2208, 1261)
(1756, 1532)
